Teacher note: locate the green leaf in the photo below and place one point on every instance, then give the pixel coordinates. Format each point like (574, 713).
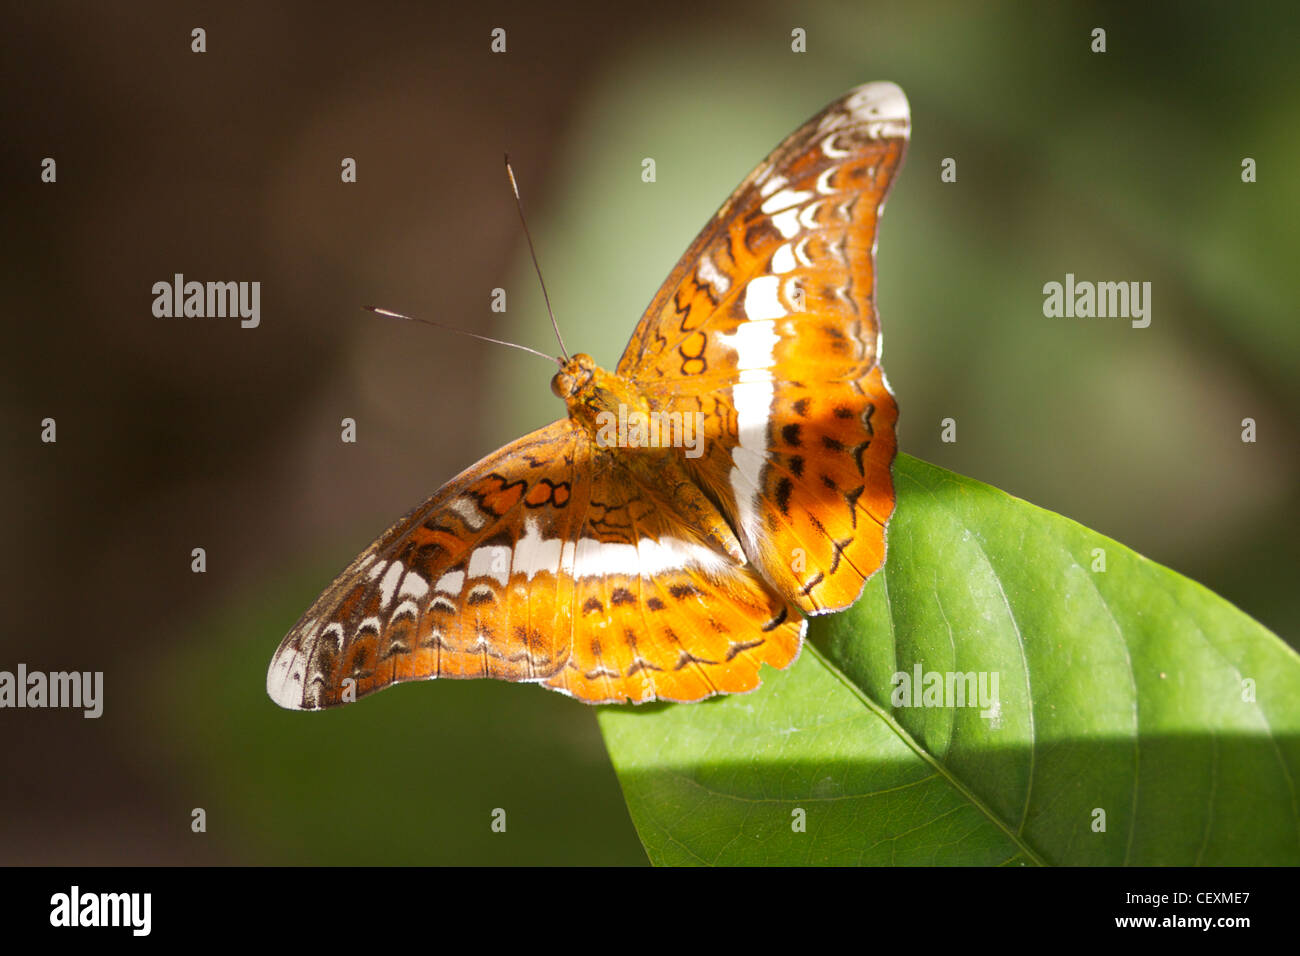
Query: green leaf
(1130, 695)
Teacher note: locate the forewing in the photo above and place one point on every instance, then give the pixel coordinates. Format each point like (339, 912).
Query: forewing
(768, 327)
(469, 584)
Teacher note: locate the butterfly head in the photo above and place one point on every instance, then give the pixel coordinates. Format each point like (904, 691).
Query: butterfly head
(574, 376)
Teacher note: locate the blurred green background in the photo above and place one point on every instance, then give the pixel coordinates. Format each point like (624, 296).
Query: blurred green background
(184, 433)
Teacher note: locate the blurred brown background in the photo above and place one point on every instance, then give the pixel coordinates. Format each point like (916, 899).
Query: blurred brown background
(182, 433)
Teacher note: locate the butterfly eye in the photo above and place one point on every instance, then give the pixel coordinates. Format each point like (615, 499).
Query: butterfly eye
(562, 385)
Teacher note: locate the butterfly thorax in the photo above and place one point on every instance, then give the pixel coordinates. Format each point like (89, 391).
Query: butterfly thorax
(600, 402)
(618, 417)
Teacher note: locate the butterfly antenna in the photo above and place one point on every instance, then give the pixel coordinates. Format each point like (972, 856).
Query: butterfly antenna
(519, 204)
(451, 328)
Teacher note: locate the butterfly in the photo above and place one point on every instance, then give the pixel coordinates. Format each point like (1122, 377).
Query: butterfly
(666, 538)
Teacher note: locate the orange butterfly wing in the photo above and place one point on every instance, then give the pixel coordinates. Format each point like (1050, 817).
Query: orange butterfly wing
(768, 326)
(544, 562)
(418, 603)
(660, 613)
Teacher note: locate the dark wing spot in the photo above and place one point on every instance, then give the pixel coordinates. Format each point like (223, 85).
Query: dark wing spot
(791, 434)
(680, 591)
(783, 491)
(425, 556)
(592, 606)
(852, 498)
(758, 234)
(843, 411)
(688, 658)
(801, 408)
(777, 621)
(325, 659)
(829, 482)
(832, 444)
(621, 596)
(839, 552)
(655, 604)
(796, 466)
(537, 652)
(397, 639)
(358, 665)
(735, 649)
(858, 452)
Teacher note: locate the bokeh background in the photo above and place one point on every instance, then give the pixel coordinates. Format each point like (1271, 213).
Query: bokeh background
(183, 433)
